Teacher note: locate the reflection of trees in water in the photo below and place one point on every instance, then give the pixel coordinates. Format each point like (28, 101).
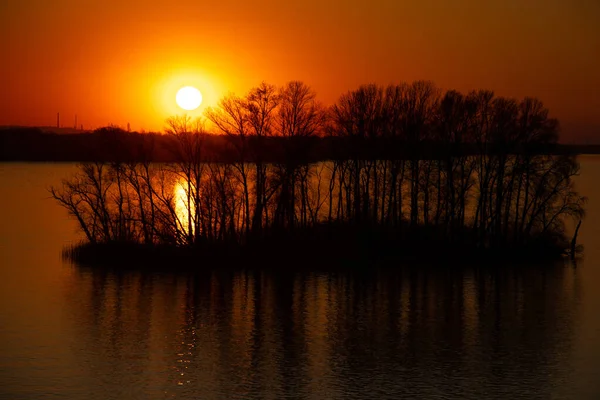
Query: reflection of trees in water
(113, 317)
(385, 333)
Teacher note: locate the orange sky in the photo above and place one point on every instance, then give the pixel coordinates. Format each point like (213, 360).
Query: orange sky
(120, 61)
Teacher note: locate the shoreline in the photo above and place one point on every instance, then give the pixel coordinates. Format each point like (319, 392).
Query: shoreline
(113, 145)
(316, 249)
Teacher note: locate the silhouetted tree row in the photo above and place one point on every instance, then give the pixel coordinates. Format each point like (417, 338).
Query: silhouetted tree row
(504, 195)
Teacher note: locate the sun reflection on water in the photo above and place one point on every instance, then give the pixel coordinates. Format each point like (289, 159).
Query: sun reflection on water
(184, 205)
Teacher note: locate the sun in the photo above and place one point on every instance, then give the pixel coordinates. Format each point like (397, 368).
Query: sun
(188, 98)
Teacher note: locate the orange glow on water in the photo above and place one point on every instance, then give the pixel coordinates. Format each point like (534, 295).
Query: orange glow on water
(182, 206)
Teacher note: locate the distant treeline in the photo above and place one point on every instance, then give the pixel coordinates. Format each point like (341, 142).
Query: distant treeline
(114, 144)
(409, 165)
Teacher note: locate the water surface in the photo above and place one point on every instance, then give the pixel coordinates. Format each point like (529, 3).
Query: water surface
(523, 331)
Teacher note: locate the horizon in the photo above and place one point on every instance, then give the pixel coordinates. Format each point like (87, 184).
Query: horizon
(71, 130)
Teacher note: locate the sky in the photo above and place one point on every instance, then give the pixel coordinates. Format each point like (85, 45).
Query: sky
(120, 61)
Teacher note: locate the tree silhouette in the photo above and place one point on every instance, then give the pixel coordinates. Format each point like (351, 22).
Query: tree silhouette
(411, 166)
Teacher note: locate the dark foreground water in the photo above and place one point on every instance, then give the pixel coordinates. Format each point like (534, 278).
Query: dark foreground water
(70, 332)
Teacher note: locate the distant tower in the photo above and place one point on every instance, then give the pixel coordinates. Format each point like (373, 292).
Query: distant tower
(128, 127)
(58, 120)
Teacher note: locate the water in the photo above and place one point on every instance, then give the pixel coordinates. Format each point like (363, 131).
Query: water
(70, 332)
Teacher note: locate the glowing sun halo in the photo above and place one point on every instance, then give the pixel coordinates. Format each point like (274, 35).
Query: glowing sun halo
(188, 98)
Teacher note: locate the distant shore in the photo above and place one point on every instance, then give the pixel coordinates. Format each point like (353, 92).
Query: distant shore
(112, 145)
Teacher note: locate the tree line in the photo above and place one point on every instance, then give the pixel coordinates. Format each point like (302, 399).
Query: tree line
(487, 185)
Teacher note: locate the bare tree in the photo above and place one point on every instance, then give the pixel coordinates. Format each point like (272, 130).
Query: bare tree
(299, 115)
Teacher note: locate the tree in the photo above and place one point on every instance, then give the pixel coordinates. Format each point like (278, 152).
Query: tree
(299, 116)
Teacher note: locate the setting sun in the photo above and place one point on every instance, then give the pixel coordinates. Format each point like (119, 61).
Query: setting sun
(188, 98)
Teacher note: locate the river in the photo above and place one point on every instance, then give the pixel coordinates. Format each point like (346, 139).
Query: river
(522, 331)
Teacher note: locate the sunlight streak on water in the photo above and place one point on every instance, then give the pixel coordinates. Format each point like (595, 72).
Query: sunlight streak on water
(184, 206)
